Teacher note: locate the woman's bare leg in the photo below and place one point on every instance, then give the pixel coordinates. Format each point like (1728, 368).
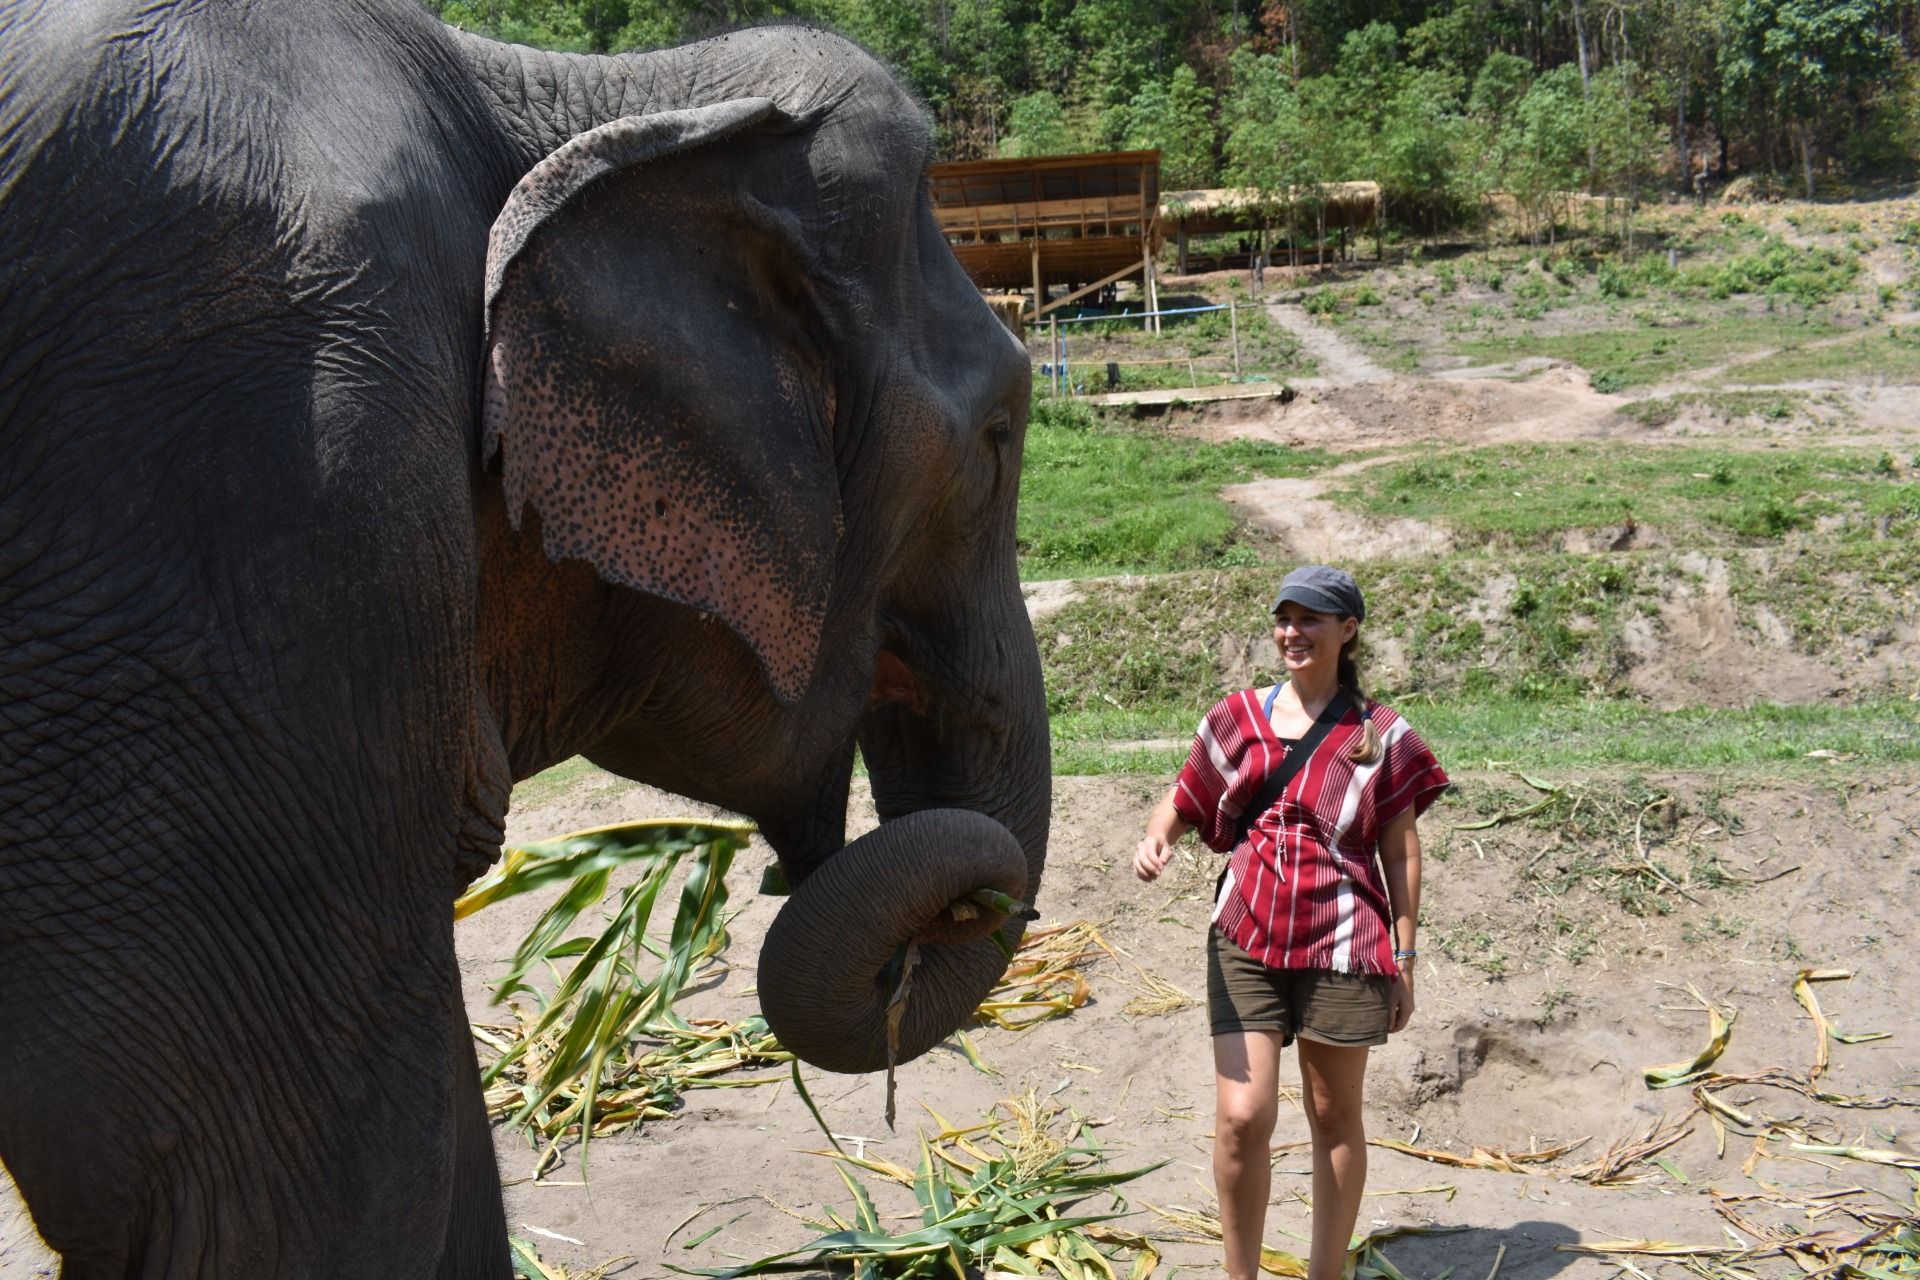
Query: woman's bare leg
(1334, 1079)
(1246, 1075)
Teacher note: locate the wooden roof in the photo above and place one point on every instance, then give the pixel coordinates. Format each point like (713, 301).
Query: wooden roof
(1090, 215)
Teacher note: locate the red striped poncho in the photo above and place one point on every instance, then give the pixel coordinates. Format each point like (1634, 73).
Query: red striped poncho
(1304, 889)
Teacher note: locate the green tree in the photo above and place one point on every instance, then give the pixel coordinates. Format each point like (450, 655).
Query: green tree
(1622, 139)
(1485, 142)
(1413, 151)
(1126, 43)
(1802, 60)
(1402, 122)
(898, 33)
(1546, 146)
(1037, 126)
(1176, 116)
(1269, 139)
(572, 25)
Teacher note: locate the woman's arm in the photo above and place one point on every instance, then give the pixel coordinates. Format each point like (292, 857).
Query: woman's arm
(1165, 826)
(1400, 861)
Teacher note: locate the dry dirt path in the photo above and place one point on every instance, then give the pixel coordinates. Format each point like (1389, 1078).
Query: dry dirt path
(1355, 403)
(1515, 1046)
(1341, 363)
(1291, 509)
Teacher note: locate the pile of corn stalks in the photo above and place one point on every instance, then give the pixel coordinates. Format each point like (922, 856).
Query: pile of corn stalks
(997, 1196)
(606, 1052)
(1044, 979)
(641, 1079)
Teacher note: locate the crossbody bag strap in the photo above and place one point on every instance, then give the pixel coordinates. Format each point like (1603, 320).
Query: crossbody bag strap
(1276, 782)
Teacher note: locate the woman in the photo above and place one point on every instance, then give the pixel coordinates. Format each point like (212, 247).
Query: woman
(1313, 934)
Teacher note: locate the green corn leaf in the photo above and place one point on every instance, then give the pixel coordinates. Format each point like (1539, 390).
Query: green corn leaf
(972, 1054)
(931, 1189)
(612, 988)
(863, 1211)
(800, 1087)
(1005, 1259)
(1025, 1232)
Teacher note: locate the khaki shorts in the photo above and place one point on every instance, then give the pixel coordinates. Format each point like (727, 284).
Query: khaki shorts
(1333, 1008)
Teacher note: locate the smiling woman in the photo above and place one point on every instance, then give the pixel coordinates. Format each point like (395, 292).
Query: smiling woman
(1313, 789)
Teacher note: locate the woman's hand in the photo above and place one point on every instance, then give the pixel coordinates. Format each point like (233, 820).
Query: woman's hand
(1150, 857)
(1400, 1001)
(1165, 826)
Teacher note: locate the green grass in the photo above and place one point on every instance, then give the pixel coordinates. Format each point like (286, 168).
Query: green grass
(551, 784)
(1510, 733)
(1524, 495)
(1092, 378)
(1891, 356)
(1645, 353)
(1267, 350)
(1549, 627)
(1474, 733)
(1105, 496)
(1861, 589)
(1805, 274)
(1766, 406)
(1502, 732)
(1554, 632)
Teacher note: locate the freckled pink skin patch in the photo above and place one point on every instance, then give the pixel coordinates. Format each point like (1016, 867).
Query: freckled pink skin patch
(676, 446)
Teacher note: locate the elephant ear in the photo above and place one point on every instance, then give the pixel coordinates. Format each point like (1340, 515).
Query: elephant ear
(656, 383)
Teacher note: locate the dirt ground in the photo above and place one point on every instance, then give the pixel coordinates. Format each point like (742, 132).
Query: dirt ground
(1515, 1045)
(1527, 1035)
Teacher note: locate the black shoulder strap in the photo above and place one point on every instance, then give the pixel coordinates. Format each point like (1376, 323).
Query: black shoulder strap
(1303, 750)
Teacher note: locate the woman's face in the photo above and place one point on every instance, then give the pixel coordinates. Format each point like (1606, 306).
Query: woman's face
(1310, 641)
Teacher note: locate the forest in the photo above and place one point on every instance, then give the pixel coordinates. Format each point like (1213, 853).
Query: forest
(1442, 102)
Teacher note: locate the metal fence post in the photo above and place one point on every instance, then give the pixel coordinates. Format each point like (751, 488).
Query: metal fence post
(1054, 322)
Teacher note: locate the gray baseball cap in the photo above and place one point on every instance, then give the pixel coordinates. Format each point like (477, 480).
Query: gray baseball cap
(1323, 589)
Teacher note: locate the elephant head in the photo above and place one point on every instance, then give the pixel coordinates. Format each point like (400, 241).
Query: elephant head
(751, 446)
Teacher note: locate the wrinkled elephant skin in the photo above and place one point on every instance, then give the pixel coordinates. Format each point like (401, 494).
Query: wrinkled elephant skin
(387, 414)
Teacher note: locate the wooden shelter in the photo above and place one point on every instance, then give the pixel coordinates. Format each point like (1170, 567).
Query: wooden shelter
(1082, 221)
(1347, 206)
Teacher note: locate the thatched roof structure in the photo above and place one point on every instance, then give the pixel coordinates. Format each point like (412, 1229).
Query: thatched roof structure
(1213, 210)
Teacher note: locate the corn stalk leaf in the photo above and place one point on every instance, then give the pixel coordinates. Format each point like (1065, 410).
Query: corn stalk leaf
(1719, 1031)
(1869, 1155)
(580, 1048)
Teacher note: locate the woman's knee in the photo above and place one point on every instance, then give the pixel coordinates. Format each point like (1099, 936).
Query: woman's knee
(1243, 1122)
(1336, 1118)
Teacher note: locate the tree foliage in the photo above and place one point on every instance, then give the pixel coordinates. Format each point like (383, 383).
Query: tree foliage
(1443, 102)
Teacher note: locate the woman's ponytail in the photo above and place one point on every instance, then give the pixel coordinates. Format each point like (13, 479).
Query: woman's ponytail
(1367, 748)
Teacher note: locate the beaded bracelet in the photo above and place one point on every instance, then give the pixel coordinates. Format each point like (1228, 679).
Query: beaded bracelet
(1405, 955)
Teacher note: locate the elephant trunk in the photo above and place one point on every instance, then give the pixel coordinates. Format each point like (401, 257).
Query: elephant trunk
(964, 788)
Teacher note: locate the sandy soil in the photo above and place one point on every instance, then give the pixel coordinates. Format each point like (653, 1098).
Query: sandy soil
(1549, 1051)
(1520, 1042)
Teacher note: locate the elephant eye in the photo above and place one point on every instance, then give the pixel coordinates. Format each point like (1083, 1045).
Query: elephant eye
(999, 429)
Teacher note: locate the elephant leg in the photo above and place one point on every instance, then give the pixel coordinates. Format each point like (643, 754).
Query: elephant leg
(477, 1224)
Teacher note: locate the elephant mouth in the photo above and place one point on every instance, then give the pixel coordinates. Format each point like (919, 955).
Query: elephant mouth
(833, 964)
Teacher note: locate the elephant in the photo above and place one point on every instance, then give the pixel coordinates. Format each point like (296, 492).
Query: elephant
(387, 414)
